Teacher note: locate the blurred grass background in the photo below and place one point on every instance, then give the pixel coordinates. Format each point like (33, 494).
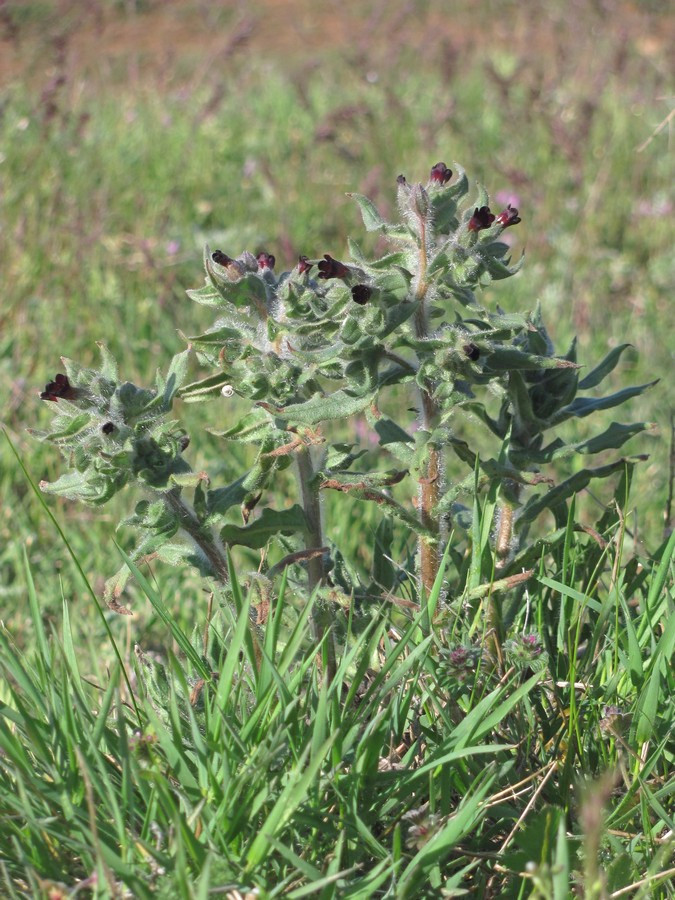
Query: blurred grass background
(131, 132)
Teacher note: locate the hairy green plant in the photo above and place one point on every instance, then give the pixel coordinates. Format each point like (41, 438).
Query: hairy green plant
(327, 342)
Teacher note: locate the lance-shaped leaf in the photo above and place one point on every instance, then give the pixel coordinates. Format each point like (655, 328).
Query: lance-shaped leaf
(392, 437)
(398, 259)
(109, 368)
(271, 522)
(566, 489)
(88, 487)
(337, 405)
(215, 338)
(507, 359)
(252, 428)
(584, 406)
(207, 296)
(611, 439)
(64, 428)
(206, 389)
(373, 221)
(499, 268)
(220, 500)
(167, 386)
(596, 375)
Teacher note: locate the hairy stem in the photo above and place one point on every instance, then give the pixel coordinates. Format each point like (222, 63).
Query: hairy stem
(309, 492)
(203, 538)
(430, 480)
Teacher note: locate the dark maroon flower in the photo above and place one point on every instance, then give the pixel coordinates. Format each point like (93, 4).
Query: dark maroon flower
(401, 180)
(440, 173)
(508, 216)
(472, 351)
(265, 260)
(221, 258)
(481, 218)
(60, 387)
(108, 428)
(361, 293)
(304, 265)
(331, 268)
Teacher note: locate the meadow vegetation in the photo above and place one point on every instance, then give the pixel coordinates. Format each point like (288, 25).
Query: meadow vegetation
(468, 739)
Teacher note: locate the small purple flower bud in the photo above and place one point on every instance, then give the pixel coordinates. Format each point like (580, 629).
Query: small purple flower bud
(401, 180)
(184, 443)
(472, 351)
(440, 173)
(331, 268)
(304, 265)
(265, 260)
(481, 218)
(221, 258)
(60, 387)
(531, 641)
(459, 656)
(361, 293)
(508, 216)
(108, 428)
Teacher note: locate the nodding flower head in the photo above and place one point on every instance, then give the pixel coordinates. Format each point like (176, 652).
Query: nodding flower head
(481, 218)
(401, 180)
(221, 258)
(59, 389)
(331, 268)
(440, 173)
(108, 427)
(265, 260)
(471, 351)
(361, 293)
(304, 265)
(508, 216)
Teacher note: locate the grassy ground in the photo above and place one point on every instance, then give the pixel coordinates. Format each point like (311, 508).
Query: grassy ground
(130, 134)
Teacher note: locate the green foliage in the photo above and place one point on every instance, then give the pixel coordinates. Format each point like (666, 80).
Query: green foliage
(310, 349)
(448, 749)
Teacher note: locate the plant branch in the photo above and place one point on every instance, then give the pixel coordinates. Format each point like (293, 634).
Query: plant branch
(203, 538)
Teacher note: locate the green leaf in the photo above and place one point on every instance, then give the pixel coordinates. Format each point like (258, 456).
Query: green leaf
(253, 427)
(338, 405)
(383, 572)
(168, 387)
(372, 219)
(220, 500)
(568, 488)
(207, 296)
(271, 522)
(646, 711)
(393, 438)
(215, 338)
(584, 406)
(596, 375)
(614, 437)
(109, 368)
(507, 359)
(206, 389)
